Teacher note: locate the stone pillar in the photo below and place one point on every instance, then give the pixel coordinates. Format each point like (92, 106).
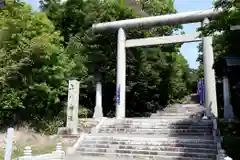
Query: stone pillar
(73, 105)
(98, 112)
(228, 111)
(121, 75)
(209, 74)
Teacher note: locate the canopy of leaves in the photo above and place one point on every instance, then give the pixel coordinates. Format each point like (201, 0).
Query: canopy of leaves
(41, 51)
(34, 66)
(225, 44)
(155, 76)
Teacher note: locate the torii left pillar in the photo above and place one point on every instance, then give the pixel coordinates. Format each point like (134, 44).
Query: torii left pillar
(121, 75)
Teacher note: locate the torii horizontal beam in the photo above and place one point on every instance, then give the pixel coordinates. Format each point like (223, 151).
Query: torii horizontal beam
(168, 19)
(192, 37)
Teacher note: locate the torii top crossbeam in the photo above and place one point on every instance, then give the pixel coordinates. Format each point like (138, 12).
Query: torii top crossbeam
(168, 19)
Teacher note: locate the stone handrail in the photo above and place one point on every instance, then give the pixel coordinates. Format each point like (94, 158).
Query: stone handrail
(217, 138)
(71, 150)
(97, 127)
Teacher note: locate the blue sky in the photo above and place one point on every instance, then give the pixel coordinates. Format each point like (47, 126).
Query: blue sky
(189, 50)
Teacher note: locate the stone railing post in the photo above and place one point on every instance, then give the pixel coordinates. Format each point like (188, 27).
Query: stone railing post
(9, 143)
(27, 153)
(59, 154)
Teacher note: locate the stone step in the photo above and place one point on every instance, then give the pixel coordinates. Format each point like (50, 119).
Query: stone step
(151, 139)
(157, 131)
(156, 125)
(152, 146)
(85, 156)
(105, 151)
(162, 113)
(161, 126)
(183, 111)
(172, 116)
(147, 149)
(172, 112)
(135, 157)
(156, 137)
(139, 143)
(158, 121)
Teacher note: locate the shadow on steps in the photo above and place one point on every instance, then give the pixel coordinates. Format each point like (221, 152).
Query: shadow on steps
(195, 137)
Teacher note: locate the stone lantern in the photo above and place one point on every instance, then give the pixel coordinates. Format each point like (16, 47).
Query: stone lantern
(226, 68)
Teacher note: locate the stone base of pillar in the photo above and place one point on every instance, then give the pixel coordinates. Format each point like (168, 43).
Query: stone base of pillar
(204, 117)
(228, 112)
(67, 131)
(98, 113)
(207, 113)
(75, 131)
(119, 118)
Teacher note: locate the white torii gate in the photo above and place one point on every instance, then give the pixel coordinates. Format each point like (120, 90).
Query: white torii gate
(170, 19)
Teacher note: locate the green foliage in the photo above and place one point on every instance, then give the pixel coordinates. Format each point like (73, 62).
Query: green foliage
(34, 66)
(224, 44)
(41, 51)
(155, 76)
(231, 137)
(49, 127)
(83, 112)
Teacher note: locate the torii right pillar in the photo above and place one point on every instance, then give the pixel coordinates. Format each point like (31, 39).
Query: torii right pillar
(209, 74)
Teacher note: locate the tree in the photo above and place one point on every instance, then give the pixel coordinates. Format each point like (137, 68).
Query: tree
(224, 44)
(34, 66)
(51, 8)
(41, 51)
(155, 76)
(37, 62)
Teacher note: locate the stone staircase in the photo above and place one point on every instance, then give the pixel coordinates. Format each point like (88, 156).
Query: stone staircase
(176, 133)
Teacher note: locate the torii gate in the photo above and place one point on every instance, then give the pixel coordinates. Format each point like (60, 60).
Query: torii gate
(170, 19)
